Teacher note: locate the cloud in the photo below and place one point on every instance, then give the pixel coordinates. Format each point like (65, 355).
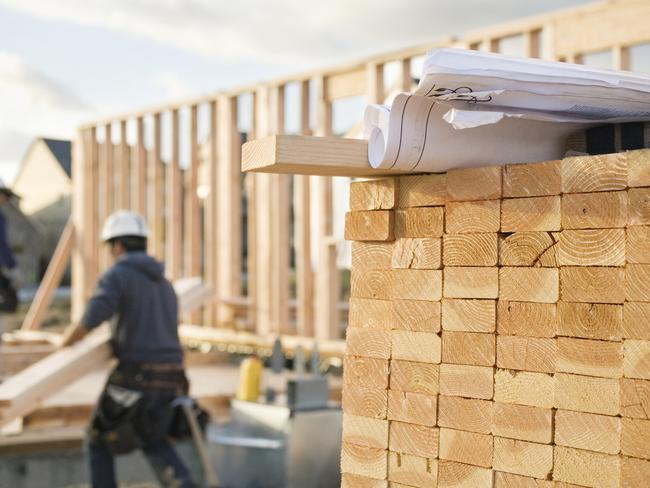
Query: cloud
(173, 85)
(281, 31)
(33, 105)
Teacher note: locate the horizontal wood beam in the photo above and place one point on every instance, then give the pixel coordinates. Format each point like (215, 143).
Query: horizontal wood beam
(349, 84)
(196, 333)
(606, 26)
(20, 337)
(307, 155)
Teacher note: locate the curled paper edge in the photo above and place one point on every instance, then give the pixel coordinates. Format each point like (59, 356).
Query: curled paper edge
(375, 116)
(470, 119)
(376, 119)
(376, 147)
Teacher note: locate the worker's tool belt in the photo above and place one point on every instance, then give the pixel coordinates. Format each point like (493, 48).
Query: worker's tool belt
(123, 420)
(151, 376)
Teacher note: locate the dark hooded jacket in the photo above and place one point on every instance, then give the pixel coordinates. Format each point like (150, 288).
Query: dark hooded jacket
(142, 306)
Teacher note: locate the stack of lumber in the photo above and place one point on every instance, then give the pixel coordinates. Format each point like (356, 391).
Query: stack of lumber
(231, 339)
(499, 331)
(31, 337)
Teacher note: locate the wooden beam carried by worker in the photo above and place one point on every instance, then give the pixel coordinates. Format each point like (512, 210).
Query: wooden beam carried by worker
(23, 392)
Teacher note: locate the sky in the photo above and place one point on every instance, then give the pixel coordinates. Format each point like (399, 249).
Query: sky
(64, 62)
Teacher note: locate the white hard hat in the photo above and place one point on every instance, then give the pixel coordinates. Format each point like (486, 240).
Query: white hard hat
(124, 223)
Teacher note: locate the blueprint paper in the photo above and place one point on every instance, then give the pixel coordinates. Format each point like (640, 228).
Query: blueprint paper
(474, 109)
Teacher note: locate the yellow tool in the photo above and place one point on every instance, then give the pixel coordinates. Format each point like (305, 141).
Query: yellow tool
(250, 379)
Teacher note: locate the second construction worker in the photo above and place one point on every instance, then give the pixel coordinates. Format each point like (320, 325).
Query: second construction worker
(10, 275)
(134, 408)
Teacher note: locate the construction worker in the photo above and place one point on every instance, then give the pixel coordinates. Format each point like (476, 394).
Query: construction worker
(134, 409)
(10, 276)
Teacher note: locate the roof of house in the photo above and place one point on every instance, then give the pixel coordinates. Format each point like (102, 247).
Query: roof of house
(61, 150)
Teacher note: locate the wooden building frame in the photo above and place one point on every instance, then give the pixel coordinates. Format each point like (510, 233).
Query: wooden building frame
(204, 237)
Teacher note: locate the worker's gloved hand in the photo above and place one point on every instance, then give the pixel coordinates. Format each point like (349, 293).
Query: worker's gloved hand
(15, 276)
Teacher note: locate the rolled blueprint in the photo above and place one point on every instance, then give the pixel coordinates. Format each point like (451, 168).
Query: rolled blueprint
(475, 109)
(420, 137)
